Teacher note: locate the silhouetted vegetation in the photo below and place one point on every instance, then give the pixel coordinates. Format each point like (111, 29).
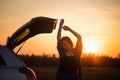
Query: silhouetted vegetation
(88, 60)
(42, 61)
(100, 61)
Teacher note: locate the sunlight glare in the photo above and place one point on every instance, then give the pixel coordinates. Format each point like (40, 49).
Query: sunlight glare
(91, 46)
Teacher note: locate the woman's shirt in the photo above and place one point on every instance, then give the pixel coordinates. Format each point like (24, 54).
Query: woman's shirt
(68, 65)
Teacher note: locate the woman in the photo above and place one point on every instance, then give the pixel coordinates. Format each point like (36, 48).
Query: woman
(69, 64)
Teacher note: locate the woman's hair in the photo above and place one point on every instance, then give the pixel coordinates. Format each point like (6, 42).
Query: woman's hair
(66, 38)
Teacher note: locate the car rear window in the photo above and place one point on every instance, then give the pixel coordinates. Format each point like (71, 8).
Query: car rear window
(2, 62)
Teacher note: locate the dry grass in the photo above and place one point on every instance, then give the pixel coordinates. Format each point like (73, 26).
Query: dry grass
(48, 73)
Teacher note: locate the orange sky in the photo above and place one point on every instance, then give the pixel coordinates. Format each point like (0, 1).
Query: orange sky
(98, 22)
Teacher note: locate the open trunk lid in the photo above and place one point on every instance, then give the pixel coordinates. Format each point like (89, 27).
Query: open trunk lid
(33, 27)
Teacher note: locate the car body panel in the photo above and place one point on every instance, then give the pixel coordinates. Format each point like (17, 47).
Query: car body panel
(9, 69)
(13, 68)
(11, 73)
(10, 57)
(33, 27)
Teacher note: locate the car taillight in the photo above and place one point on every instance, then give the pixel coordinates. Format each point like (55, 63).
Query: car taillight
(28, 72)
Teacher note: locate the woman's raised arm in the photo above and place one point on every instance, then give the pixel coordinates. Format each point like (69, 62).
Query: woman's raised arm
(60, 29)
(78, 36)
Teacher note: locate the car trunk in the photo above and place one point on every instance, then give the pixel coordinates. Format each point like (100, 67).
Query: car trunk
(35, 26)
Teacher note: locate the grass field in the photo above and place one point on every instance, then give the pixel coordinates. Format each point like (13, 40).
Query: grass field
(48, 73)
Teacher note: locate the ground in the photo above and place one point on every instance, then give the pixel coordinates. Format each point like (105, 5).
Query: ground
(89, 73)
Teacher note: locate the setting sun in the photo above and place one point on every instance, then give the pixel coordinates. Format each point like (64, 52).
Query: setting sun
(91, 46)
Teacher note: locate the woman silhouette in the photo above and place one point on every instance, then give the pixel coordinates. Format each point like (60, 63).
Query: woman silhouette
(69, 67)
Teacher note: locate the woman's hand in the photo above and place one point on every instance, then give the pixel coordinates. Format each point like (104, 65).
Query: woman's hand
(66, 28)
(61, 22)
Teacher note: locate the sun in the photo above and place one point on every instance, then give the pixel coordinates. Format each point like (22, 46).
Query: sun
(91, 46)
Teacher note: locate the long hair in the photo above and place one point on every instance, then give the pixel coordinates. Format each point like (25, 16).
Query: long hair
(66, 38)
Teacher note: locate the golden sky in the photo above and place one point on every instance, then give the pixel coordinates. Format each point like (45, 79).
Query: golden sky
(98, 22)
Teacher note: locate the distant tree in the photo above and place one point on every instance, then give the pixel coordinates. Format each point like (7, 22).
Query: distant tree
(119, 56)
(53, 56)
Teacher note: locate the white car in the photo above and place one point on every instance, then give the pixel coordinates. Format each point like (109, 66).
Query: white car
(13, 68)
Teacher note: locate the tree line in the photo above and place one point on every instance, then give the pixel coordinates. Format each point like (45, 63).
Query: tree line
(88, 60)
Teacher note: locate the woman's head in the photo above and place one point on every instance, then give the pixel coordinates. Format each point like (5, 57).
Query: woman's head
(67, 43)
